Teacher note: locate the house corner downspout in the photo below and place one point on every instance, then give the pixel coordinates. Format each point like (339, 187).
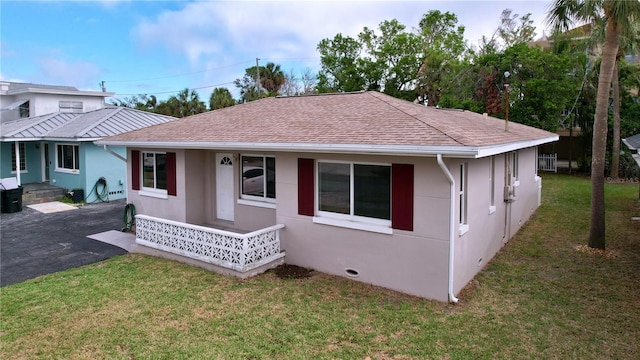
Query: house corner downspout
(452, 190)
(106, 148)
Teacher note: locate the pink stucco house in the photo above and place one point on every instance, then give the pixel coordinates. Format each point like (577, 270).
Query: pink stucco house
(362, 185)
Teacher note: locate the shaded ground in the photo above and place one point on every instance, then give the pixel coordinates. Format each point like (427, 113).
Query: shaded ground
(34, 244)
(286, 271)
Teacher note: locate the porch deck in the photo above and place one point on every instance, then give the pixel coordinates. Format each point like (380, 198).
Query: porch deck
(222, 251)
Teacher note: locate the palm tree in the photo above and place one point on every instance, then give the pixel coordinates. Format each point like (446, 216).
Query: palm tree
(221, 98)
(618, 16)
(190, 103)
(629, 42)
(271, 78)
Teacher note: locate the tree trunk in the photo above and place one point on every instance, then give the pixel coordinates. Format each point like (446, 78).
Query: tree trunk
(615, 149)
(597, 227)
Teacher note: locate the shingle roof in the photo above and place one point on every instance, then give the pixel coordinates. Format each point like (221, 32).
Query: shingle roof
(90, 125)
(363, 118)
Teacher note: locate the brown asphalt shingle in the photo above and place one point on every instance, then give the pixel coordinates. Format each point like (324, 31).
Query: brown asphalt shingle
(364, 118)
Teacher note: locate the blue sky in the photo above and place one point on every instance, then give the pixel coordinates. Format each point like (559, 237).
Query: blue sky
(162, 47)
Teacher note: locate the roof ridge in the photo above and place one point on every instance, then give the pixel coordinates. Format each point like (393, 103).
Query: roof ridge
(99, 120)
(29, 125)
(412, 115)
(322, 94)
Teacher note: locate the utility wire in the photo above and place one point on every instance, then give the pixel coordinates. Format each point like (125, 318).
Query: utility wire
(177, 75)
(176, 91)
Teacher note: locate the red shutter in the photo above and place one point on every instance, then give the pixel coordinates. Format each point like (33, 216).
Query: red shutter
(171, 174)
(135, 169)
(305, 187)
(402, 196)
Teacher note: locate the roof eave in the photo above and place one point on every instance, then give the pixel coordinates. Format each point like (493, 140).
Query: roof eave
(60, 92)
(396, 150)
(503, 148)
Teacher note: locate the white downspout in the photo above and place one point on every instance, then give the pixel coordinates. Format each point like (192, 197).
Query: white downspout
(452, 216)
(106, 148)
(17, 150)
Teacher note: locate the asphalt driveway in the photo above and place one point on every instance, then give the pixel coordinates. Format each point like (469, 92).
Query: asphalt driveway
(34, 244)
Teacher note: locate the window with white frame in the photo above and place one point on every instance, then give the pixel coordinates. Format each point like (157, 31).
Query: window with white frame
(154, 171)
(462, 198)
(355, 191)
(68, 158)
(258, 177)
(70, 106)
(23, 158)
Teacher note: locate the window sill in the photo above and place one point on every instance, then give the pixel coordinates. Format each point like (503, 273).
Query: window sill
(158, 195)
(463, 229)
(381, 229)
(67, 171)
(492, 209)
(255, 203)
(21, 172)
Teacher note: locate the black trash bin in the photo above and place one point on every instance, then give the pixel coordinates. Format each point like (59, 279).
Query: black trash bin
(11, 200)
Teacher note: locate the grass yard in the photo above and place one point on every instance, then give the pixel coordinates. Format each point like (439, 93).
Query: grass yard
(543, 296)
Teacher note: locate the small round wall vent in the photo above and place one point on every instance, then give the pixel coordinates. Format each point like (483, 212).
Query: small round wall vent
(352, 273)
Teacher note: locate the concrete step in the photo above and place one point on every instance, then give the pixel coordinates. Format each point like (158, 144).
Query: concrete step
(38, 196)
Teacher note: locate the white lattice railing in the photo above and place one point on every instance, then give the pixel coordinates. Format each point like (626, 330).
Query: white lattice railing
(239, 252)
(548, 162)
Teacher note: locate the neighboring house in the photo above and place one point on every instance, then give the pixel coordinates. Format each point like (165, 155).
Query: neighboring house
(633, 143)
(23, 100)
(58, 148)
(363, 185)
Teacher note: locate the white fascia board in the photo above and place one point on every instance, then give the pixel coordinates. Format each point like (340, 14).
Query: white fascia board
(20, 139)
(70, 139)
(397, 150)
(503, 148)
(62, 92)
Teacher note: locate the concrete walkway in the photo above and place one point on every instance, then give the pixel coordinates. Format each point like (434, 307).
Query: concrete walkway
(34, 243)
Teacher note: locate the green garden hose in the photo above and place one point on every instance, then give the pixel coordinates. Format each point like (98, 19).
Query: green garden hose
(129, 217)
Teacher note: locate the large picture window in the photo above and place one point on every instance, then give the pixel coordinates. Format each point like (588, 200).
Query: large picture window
(258, 177)
(23, 158)
(351, 190)
(68, 158)
(154, 171)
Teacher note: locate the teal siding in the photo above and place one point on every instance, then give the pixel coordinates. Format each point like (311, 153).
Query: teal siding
(62, 178)
(95, 163)
(33, 157)
(100, 164)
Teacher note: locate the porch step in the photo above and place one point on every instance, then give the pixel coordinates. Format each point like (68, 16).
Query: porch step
(41, 194)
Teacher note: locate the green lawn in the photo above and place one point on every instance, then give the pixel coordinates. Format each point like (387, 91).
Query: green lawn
(542, 296)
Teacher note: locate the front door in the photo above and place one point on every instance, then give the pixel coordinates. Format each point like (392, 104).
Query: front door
(224, 187)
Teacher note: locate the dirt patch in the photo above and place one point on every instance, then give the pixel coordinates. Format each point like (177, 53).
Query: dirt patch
(286, 271)
(609, 254)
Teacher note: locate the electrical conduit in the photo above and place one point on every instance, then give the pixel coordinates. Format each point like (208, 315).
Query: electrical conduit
(452, 215)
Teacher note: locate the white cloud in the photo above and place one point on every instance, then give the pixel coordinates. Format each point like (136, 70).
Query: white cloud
(242, 30)
(57, 71)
